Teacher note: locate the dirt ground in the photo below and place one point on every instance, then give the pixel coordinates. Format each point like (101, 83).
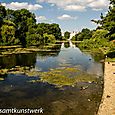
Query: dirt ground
(107, 106)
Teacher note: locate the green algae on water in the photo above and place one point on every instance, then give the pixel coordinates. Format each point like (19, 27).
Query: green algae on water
(65, 77)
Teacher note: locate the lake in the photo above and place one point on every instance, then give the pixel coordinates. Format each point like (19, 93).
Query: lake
(69, 81)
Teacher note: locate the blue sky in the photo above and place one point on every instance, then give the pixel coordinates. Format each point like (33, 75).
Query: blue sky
(71, 15)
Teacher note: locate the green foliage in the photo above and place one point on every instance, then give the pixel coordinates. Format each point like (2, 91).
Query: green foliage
(33, 39)
(66, 35)
(9, 15)
(99, 34)
(98, 41)
(2, 11)
(8, 33)
(108, 22)
(2, 16)
(48, 38)
(23, 20)
(102, 38)
(50, 29)
(56, 31)
(19, 27)
(84, 34)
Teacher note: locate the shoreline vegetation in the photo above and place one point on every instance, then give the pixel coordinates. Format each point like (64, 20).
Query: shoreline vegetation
(18, 49)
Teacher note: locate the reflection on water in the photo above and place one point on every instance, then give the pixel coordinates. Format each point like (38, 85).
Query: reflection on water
(82, 99)
(68, 57)
(13, 60)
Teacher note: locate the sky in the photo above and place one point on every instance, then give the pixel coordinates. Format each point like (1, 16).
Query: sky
(71, 15)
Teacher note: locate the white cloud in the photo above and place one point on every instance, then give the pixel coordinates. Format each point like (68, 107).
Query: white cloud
(21, 5)
(66, 17)
(41, 18)
(79, 5)
(99, 4)
(97, 9)
(75, 8)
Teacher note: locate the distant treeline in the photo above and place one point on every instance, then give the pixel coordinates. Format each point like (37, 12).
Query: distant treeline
(19, 27)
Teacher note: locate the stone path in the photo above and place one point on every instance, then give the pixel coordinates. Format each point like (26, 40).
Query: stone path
(107, 106)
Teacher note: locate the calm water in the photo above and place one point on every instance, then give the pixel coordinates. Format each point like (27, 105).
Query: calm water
(17, 91)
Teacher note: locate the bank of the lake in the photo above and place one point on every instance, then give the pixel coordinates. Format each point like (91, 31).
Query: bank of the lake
(17, 49)
(107, 107)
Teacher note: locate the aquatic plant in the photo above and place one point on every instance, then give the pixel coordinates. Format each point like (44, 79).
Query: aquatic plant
(65, 77)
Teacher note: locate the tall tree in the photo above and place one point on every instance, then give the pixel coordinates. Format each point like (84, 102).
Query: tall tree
(67, 35)
(2, 16)
(84, 34)
(23, 19)
(2, 12)
(56, 31)
(53, 29)
(19, 26)
(8, 33)
(108, 22)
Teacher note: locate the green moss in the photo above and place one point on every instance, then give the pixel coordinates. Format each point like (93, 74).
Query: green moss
(15, 70)
(62, 76)
(59, 77)
(65, 76)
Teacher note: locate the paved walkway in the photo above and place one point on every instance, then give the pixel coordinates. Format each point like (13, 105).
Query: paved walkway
(107, 107)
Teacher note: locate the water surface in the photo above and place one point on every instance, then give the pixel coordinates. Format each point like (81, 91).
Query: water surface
(81, 99)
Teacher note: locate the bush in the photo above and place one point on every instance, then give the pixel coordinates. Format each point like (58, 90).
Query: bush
(48, 38)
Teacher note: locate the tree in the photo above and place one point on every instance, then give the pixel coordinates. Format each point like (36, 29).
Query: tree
(108, 22)
(53, 29)
(9, 15)
(33, 39)
(19, 27)
(2, 16)
(99, 34)
(98, 41)
(23, 19)
(2, 12)
(56, 31)
(67, 35)
(48, 38)
(8, 33)
(84, 34)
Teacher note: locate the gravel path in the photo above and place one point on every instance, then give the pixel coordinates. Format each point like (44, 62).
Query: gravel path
(107, 107)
